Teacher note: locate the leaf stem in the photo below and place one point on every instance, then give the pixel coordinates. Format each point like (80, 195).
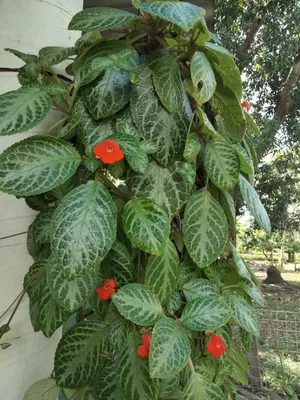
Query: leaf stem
(10, 236)
(191, 365)
(60, 108)
(110, 185)
(16, 299)
(138, 37)
(57, 123)
(13, 313)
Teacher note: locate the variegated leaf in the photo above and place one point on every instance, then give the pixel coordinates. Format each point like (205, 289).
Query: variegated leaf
(200, 388)
(201, 72)
(146, 224)
(243, 314)
(184, 15)
(45, 313)
(192, 147)
(54, 55)
(138, 304)
(100, 19)
(254, 204)
(85, 213)
(222, 164)
(162, 272)
(36, 165)
(45, 389)
(166, 130)
(199, 288)
(70, 294)
(246, 163)
(79, 353)
(206, 313)
(166, 186)
(133, 377)
(42, 226)
(170, 349)
(108, 94)
(205, 228)
(106, 384)
(119, 264)
(22, 109)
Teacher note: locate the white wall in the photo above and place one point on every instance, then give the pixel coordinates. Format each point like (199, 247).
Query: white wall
(25, 25)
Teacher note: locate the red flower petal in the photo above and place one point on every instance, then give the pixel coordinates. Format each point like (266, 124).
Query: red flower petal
(143, 350)
(103, 293)
(108, 151)
(216, 346)
(146, 339)
(246, 105)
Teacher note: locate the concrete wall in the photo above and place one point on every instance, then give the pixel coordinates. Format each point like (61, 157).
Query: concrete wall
(25, 25)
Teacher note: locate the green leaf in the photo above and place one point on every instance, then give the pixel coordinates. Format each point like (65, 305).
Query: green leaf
(199, 288)
(133, 373)
(100, 19)
(22, 109)
(166, 186)
(174, 303)
(138, 304)
(189, 272)
(206, 313)
(108, 95)
(92, 164)
(247, 142)
(169, 350)
(243, 314)
(45, 389)
(85, 213)
(75, 394)
(201, 72)
(139, 162)
(253, 291)
(192, 147)
(222, 164)
(106, 384)
(89, 131)
(79, 353)
(45, 313)
(27, 58)
(119, 331)
(146, 224)
(236, 354)
(148, 146)
(119, 264)
(42, 226)
(251, 125)
(128, 128)
(224, 64)
(246, 163)
(207, 367)
(170, 388)
(228, 106)
(86, 73)
(36, 165)
(239, 263)
(54, 55)
(57, 90)
(162, 273)
(205, 228)
(117, 169)
(206, 126)
(167, 83)
(70, 294)
(184, 15)
(200, 388)
(167, 130)
(254, 204)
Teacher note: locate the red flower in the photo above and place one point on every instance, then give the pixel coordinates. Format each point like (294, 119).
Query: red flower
(216, 346)
(107, 289)
(108, 151)
(246, 105)
(146, 339)
(143, 350)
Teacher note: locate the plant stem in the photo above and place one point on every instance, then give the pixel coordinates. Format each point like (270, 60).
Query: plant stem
(191, 365)
(57, 123)
(16, 299)
(15, 234)
(13, 313)
(58, 107)
(138, 37)
(109, 185)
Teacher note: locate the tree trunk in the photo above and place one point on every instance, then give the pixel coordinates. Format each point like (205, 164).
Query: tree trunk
(281, 256)
(274, 276)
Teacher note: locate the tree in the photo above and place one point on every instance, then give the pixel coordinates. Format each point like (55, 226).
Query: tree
(264, 36)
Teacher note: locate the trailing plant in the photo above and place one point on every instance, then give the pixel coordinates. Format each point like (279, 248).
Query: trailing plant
(135, 188)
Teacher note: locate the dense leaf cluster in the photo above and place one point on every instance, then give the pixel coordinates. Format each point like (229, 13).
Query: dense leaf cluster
(161, 221)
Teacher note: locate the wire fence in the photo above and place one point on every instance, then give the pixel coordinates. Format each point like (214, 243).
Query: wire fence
(280, 331)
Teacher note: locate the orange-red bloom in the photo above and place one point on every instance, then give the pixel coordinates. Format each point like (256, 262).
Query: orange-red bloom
(107, 289)
(216, 347)
(108, 151)
(143, 350)
(245, 104)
